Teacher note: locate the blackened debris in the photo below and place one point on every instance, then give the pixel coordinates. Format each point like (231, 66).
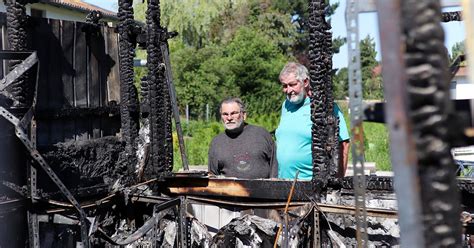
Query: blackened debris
(451, 16)
(17, 20)
(247, 231)
(89, 162)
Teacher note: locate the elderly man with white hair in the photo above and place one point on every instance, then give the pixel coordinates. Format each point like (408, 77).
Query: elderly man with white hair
(293, 134)
(242, 150)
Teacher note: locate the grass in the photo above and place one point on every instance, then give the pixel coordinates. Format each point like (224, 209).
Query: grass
(198, 136)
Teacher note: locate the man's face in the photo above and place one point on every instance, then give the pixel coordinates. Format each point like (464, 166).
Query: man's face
(294, 89)
(231, 115)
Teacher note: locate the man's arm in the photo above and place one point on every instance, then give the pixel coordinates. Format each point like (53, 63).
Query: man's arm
(343, 157)
(273, 162)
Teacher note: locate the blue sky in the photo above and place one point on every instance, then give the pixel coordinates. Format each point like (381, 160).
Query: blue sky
(454, 31)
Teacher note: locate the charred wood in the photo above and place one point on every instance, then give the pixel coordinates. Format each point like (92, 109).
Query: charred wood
(451, 16)
(323, 129)
(429, 106)
(129, 108)
(17, 21)
(161, 145)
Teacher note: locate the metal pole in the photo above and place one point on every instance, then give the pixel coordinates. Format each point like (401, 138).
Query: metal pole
(355, 104)
(174, 105)
(402, 145)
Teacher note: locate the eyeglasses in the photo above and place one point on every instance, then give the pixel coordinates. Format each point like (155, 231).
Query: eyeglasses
(233, 113)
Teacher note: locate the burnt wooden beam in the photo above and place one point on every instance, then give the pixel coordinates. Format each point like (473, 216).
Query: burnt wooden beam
(78, 112)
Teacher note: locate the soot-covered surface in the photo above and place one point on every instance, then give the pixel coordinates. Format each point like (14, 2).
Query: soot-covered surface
(87, 163)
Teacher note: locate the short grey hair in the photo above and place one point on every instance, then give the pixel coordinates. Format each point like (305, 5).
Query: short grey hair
(231, 100)
(300, 71)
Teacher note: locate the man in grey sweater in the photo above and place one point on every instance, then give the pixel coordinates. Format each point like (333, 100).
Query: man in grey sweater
(243, 150)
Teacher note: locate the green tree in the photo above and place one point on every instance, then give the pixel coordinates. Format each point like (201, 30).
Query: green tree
(371, 82)
(297, 11)
(341, 84)
(457, 49)
(192, 19)
(255, 63)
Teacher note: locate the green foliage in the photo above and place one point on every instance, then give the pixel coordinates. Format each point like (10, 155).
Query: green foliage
(298, 11)
(341, 84)
(255, 64)
(371, 83)
(457, 49)
(376, 141)
(247, 66)
(198, 136)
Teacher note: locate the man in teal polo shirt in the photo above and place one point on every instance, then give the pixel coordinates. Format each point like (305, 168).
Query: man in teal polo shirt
(293, 134)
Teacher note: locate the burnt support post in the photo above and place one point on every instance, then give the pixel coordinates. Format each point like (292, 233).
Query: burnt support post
(402, 143)
(17, 20)
(426, 63)
(161, 143)
(323, 131)
(129, 108)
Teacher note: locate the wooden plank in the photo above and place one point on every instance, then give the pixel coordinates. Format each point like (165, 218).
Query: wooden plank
(82, 129)
(69, 129)
(238, 188)
(55, 91)
(80, 67)
(110, 126)
(42, 35)
(113, 79)
(42, 133)
(96, 128)
(56, 133)
(67, 67)
(54, 81)
(105, 66)
(3, 30)
(96, 51)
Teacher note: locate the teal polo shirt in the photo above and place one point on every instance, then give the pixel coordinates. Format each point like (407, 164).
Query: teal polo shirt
(293, 138)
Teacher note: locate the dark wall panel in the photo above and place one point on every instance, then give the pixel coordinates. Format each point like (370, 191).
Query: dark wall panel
(56, 59)
(42, 35)
(77, 70)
